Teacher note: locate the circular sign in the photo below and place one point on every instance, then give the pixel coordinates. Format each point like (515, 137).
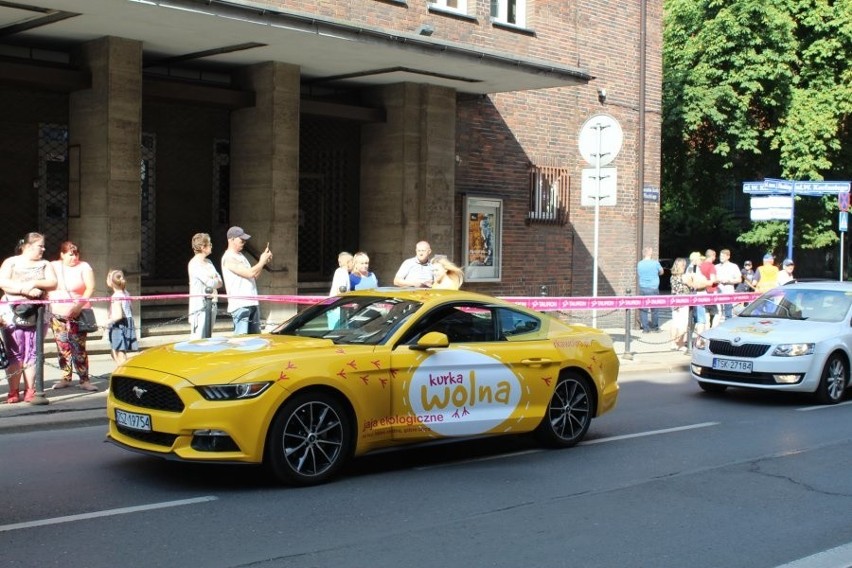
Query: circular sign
(600, 134)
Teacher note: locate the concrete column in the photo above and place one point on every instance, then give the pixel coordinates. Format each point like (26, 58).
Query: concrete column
(408, 175)
(265, 176)
(105, 122)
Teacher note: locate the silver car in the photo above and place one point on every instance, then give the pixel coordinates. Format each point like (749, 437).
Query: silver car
(795, 338)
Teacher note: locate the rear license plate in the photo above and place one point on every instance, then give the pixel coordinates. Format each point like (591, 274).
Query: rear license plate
(133, 421)
(732, 365)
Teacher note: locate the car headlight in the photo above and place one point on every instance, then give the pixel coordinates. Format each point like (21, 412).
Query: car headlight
(700, 342)
(240, 391)
(794, 349)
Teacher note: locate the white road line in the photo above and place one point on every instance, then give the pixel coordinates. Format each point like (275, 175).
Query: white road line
(649, 433)
(107, 513)
(589, 442)
(840, 557)
(821, 406)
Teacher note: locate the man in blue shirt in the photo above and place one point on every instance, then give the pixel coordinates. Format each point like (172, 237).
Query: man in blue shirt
(648, 271)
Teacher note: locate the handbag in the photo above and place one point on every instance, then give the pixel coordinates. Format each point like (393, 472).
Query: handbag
(4, 356)
(86, 321)
(25, 315)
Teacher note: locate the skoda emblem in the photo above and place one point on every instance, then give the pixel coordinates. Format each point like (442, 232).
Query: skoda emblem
(139, 391)
(737, 340)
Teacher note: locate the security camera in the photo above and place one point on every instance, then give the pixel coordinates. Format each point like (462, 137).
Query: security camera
(602, 95)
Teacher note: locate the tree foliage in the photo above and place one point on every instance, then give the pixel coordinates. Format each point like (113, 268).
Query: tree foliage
(754, 89)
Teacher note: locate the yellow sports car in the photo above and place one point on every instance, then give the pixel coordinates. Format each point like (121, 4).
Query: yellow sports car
(361, 372)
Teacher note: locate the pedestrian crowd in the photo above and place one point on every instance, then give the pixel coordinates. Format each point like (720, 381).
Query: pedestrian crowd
(701, 274)
(63, 286)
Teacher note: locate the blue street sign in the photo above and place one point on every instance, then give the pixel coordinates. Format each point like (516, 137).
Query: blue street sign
(786, 187)
(821, 187)
(843, 222)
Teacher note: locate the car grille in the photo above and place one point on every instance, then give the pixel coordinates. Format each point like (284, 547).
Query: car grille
(752, 350)
(156, 438)
(154, 396)
(744, 378)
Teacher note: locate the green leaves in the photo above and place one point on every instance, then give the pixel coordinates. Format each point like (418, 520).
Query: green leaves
(755, 89)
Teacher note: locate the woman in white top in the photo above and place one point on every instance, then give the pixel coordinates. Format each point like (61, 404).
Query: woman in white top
(204, 280)
(26, 276)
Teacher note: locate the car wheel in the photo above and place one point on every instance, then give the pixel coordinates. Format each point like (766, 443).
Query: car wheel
(569, 412)
(835, 376)
(310, 439)
(712, 387)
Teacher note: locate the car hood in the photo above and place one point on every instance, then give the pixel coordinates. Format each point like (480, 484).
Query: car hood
(225, 359)
(771, 330)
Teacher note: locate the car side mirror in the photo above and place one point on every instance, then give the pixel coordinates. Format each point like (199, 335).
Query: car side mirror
(432, 340)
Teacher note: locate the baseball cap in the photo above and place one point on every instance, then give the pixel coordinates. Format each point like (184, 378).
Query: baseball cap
(235, 232)
(747, 263)
(768, 256)
(788, 262)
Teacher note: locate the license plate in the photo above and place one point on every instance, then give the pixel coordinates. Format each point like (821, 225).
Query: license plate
(732, 365)
(133, 421)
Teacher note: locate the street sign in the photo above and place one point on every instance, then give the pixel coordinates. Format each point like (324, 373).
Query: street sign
(772, 186)
(843, 201)
(843, 221)
(772, 202)
(780, 214)
(821, 187)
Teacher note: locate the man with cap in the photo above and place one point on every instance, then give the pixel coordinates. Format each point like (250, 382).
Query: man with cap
(766, 276)
(786, 273)
(240, 278)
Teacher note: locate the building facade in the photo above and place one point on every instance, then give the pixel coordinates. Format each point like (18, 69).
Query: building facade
(321, 126)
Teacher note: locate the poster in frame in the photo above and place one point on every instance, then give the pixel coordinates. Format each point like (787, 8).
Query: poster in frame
(482, 233)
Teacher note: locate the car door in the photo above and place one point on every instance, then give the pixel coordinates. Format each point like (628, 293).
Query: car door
(481, 383)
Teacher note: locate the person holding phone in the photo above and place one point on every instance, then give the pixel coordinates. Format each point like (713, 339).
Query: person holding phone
(240, 278)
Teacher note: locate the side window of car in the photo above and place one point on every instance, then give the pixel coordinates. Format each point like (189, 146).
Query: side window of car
(461, 323)
(514, 323)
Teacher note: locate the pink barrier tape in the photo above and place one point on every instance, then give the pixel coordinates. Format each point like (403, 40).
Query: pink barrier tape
(547, 304)
(538, 303)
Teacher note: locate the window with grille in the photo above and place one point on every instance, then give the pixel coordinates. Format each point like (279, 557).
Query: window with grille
(549, 187)
(509, 12)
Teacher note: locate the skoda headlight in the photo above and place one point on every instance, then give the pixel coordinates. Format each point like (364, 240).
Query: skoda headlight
(700, 342)
(794, 349)
(240, 391)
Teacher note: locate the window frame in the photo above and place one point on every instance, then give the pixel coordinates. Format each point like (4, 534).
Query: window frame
(442, 5)
(503, 12)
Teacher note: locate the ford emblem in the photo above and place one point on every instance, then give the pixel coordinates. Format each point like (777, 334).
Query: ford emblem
(139, 391)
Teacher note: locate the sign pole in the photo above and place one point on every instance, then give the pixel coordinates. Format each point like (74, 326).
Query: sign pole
(600, 128)
(792, 221)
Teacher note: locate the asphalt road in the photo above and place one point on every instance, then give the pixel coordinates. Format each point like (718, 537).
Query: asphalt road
(672, 478)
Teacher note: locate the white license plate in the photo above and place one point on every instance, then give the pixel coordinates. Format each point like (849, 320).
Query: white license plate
(732, 365)
(132, 420)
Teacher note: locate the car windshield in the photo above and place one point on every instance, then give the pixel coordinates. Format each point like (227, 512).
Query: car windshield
(801, 304)
(351, 319)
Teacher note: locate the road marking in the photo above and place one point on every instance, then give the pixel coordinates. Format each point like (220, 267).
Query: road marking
(821, 406)
(589, 442)
(649, 433)
(832, 558)
(107, 513)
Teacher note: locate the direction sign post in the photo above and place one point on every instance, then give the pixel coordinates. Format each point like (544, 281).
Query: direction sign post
(771, 186)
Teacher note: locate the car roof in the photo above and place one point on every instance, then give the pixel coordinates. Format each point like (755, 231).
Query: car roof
(427, 295)
(820, 285)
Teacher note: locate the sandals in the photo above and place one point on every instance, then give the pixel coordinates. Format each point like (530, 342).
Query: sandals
(87, 386)
(63, 384)
(13, 398)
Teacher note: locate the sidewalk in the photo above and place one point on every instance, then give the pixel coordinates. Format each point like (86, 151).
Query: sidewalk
(72, 407)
